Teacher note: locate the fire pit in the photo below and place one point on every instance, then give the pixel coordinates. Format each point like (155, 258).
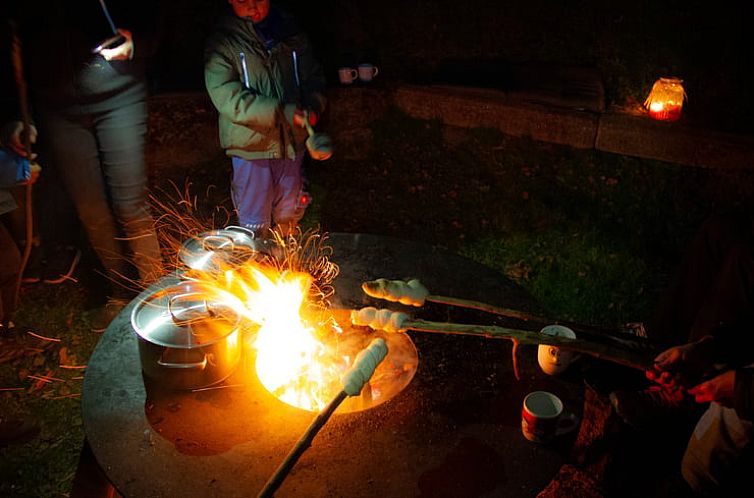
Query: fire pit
(450, 428)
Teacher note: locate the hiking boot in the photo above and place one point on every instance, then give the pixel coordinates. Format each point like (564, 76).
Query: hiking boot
(653, 407)
(16, 430)
(100, 318)
(61, 265)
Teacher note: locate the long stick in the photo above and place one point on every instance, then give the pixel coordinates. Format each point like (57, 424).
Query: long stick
(520, 315)
(622, 356)
(274, 482)
(23, 105)
(638, 356)
(353, 381)
(414, 293)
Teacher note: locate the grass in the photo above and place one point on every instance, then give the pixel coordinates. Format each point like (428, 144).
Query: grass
(592, 236)
(45, 466)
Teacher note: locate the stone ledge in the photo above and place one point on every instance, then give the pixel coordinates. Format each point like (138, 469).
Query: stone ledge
(471, 107)
(673, 142)
(609, 132)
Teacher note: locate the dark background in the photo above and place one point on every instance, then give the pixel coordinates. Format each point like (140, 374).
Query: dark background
(630, 43)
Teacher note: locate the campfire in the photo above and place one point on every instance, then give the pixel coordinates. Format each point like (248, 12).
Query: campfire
(278, 291)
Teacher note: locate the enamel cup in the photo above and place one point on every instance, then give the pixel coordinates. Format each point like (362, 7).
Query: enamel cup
(347, 75)
(367, 72)
(543, 417)
(553, 360)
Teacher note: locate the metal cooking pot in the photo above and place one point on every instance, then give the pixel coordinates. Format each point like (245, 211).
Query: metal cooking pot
(219, 250)
(188, 338)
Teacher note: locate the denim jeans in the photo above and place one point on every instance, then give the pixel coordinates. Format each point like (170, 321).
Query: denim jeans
(100, 159)
(268, 192)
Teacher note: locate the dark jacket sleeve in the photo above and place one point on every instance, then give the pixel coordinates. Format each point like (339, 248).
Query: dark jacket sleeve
(743, 398)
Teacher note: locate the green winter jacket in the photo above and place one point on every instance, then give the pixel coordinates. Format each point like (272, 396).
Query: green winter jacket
(256, 103)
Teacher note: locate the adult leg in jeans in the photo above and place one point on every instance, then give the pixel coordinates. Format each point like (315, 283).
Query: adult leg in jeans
(74, 151)
(101, 161)
(122, 134)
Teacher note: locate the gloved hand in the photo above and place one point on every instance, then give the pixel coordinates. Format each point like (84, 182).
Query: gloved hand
(11, 136)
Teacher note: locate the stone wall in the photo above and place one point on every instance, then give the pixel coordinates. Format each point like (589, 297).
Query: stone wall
(183, 127)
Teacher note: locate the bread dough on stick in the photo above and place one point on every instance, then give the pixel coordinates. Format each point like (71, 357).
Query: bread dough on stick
(389, 321)
(411, 293)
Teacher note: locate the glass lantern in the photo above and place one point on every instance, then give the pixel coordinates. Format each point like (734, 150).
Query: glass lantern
(666, 99)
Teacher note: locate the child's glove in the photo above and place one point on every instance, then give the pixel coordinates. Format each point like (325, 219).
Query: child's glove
(296, 117)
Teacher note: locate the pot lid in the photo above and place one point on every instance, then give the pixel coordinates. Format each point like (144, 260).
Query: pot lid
(187, 315)
(218, 250)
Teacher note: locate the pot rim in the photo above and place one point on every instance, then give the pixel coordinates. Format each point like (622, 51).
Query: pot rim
(154, 321)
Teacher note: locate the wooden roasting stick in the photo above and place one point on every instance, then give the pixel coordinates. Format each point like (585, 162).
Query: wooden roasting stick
(353, 382)
(414, 293)
(397, 322)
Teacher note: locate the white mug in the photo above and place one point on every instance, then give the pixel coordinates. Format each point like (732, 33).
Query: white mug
(553, 360)
(367, 72)
(347, 75)
(543, 417)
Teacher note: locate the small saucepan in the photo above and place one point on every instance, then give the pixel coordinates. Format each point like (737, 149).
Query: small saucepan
(219, 250)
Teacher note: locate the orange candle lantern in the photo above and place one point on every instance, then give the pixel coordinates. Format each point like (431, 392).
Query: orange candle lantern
(666, 99)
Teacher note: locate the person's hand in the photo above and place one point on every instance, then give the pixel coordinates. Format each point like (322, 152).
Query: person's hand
(34, 171)
(719, 389)
(120, 52)
(682, 366)
(12, 137)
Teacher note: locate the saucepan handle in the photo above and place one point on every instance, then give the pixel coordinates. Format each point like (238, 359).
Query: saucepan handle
(194, 307)
(199, 365)
(218, 243)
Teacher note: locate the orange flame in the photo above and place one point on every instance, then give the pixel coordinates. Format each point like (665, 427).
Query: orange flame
(295, 356)
(292, 362)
